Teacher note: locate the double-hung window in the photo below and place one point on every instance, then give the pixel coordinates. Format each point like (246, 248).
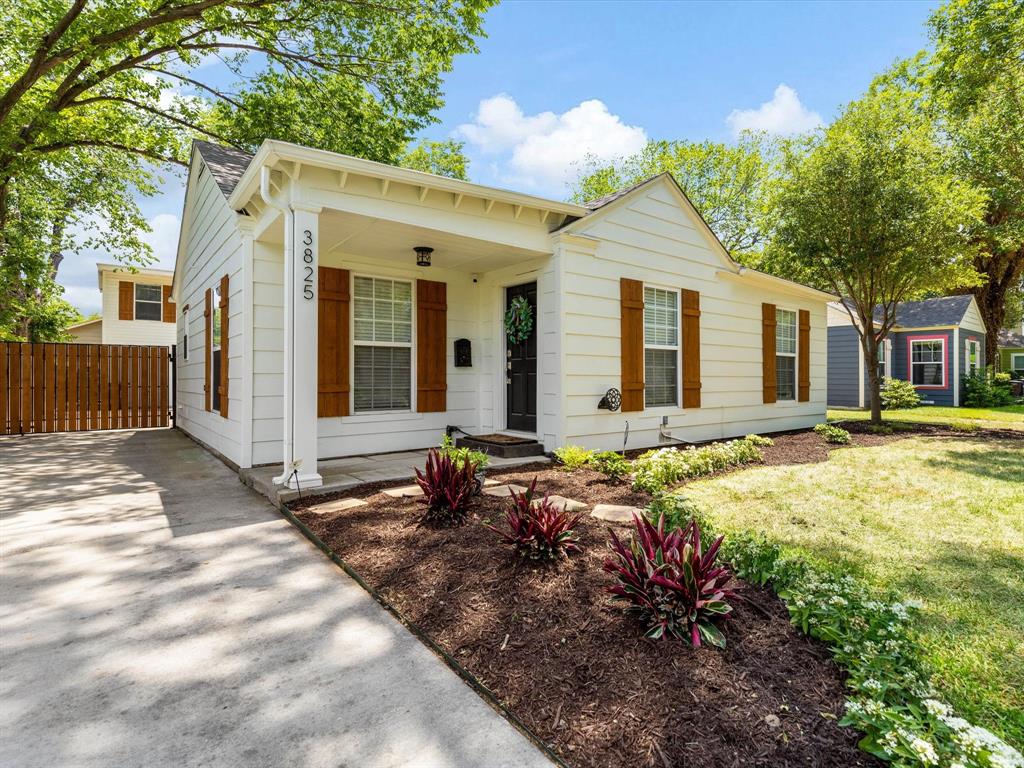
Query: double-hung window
(927, 361)
(149, 302)
(382, 324)
(661, 347)
(881, 358)
(1017, 362)
(973, 357)
(785, 354)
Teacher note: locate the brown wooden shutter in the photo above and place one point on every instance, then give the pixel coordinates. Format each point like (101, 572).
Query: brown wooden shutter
(208, 344)
(431, 344)
(804, 356)
(691, 348)
(225, 285)
(768, 352)
(631, 311)
(125, 300)
(168, 306)
(333, 343)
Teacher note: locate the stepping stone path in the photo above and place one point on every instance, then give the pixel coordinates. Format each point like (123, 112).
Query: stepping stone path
(503, 490)
(616, 513)
(338, 505)
(562, 503)
(405, 492)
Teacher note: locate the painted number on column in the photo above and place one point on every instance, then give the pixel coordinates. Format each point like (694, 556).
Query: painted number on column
(307, 265)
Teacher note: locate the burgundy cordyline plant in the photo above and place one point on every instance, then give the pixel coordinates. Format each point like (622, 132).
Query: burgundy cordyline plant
(674, 588)
(447, 489)
(538, 530)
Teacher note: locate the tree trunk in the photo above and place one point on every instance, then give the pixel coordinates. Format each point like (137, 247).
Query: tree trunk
(1002, 272)
(870, 346)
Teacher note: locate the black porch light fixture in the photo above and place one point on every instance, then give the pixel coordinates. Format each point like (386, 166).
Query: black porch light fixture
(423, 255)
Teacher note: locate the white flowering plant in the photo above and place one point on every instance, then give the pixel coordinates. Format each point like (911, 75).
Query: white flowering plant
(660, 469)
(891, 701)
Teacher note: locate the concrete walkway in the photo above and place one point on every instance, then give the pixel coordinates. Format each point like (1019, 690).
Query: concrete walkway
(155, 612)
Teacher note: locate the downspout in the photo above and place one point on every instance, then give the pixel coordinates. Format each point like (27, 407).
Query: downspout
(289, 315)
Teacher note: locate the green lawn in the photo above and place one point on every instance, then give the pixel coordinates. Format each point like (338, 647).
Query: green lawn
(1008, 416)
(941, 520)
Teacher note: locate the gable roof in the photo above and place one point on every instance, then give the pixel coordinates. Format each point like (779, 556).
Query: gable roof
(927, 313)
(1010, 340)
(226, 164)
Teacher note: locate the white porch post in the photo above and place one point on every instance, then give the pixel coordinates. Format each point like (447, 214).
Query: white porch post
(300, 347)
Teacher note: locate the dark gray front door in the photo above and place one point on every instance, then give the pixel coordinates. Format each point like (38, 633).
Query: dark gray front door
(521, 368)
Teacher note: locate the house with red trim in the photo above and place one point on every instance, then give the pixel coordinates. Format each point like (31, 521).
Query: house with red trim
(934, 343)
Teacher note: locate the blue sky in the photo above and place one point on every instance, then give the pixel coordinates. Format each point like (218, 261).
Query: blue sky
(556, 80)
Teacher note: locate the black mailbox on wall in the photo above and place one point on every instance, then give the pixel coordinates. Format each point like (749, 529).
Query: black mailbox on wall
(463, 354)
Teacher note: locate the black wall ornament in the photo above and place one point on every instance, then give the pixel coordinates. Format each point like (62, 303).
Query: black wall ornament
(611, 401)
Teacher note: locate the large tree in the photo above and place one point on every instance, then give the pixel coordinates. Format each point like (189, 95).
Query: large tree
(98, 99)
(727, 183)
(974, 87)
(869, 211)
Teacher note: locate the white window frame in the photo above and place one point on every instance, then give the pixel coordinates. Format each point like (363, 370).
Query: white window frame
(411, 345)
(967, 357)
(794, 354)
(911, 363)
(1013, 364)
(677, 348)
(136, 301)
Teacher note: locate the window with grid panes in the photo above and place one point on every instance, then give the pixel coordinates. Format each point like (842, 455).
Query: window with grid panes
(661, 347)
(785, 354)
(382, 339)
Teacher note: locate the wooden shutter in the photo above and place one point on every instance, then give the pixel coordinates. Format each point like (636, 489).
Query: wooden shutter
(631, 311)
(804, 357)
(431, 344)
(691, 348)
(208, 344)
(768, 352)
(333, 342)
(125, 300)
(168, 306)
(225, 285)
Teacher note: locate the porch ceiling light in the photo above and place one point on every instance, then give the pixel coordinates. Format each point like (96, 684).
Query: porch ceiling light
(423, 255)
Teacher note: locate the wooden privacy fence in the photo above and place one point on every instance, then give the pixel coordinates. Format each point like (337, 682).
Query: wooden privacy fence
(75, 387)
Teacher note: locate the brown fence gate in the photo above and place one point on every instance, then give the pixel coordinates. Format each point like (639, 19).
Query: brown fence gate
(76, 387)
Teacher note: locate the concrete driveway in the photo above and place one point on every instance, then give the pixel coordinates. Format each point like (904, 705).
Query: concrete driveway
(155, 612)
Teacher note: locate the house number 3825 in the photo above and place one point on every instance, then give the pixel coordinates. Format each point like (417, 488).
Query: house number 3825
(307, 266)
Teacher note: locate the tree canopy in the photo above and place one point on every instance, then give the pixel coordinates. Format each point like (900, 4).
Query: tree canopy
(726, 183)
(870, 211)
(97, 99)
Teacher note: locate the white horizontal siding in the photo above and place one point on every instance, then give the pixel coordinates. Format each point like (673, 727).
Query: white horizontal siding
(213, 249)
(653, 239)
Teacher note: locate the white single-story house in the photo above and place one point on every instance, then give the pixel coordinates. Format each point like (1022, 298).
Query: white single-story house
(331, 306)
(136, 308)
(933, 344)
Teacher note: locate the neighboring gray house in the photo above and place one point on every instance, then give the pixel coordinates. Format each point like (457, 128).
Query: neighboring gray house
(933, 344)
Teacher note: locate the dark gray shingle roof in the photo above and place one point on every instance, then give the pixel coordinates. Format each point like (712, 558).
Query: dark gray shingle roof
(944, 310)
(601, 202)
(1010, 339)
(226, 164)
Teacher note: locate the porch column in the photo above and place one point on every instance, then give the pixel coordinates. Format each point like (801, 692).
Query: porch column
(300, 346)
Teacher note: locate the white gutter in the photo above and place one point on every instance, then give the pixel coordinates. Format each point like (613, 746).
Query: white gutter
(289, 316)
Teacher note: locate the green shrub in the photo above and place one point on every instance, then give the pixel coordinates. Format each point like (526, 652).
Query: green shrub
(833, 434)
(610, 464)
(573, 456)
(1002, 377)
(979, 391)
(664, 467)
(479, 459)
(678, 511)
(760, 441)
(897, 393)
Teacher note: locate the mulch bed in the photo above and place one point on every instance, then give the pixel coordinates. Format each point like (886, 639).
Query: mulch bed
(553, 648)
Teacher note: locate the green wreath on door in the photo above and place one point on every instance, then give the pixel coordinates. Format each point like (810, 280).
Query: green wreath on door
(518, 320)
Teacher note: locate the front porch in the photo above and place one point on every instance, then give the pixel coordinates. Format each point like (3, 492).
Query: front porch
(351, 471)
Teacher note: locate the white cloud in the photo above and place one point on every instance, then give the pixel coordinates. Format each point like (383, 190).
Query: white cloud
(540, 151)
(783, 115)
(163, 239)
